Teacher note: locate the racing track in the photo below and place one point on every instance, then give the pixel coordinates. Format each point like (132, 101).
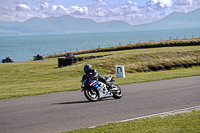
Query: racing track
(70, 110)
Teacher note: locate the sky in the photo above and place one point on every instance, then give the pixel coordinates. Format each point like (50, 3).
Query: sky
(133, 12)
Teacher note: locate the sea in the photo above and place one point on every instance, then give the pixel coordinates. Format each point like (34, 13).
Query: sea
(22, 48)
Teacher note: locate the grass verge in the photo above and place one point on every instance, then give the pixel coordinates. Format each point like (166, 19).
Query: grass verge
(179, 123)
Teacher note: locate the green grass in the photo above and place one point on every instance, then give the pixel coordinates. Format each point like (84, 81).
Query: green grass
(33, 78)
(159, 75)
(180, 123)
(42, 77)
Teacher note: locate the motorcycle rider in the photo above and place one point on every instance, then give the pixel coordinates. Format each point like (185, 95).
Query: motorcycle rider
(8, 58)
(69, 55)
(92, 73)
(38, 56)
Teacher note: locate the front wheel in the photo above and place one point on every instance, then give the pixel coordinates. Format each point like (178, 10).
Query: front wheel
(92, 94)
(117, 93)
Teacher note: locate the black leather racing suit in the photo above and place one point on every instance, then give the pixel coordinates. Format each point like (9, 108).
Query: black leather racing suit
(92, 73)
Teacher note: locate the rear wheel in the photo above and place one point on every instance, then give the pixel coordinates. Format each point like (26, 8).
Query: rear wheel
(117, 93)
(91, 94)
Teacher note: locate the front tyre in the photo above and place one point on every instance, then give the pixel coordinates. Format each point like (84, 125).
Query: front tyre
(117, 93)
(92, 94)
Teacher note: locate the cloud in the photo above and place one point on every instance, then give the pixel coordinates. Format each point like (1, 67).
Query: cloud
(44, 6)
(77, 10)
(99, 11)
(19, 2)
(132, 3)
(58, 8)
(185, 5)
(157, 4)
(183, 2)
(128, 12)
(22, 7)
(100, 2)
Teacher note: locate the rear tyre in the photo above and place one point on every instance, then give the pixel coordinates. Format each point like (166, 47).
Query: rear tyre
(92, 94)
(117, 93)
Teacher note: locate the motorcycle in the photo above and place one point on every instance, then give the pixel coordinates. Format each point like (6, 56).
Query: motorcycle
(6, 60)
(94, 90)
(37, 58)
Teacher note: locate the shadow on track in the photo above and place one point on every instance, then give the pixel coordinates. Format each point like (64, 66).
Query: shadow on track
(78, 102)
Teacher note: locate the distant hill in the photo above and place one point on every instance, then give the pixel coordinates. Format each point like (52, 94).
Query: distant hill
(175, 20)
(61, 25)
(67, 24)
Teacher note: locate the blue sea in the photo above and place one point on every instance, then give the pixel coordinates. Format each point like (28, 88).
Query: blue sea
(22, 48)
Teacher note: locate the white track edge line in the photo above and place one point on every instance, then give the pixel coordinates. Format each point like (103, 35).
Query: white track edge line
(161, 114)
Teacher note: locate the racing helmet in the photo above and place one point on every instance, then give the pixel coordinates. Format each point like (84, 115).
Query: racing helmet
(87, 68)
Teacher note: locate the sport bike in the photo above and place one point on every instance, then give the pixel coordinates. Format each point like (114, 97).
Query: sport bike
(6, 60)
(94, 90)
(37, 58)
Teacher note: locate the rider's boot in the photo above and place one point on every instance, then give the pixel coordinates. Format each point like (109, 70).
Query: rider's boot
(109, 86)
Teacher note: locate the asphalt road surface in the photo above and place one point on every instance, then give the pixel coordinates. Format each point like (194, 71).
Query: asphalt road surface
(70, 110)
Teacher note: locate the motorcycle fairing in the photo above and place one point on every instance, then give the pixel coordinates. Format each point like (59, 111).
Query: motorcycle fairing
(103, 91)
